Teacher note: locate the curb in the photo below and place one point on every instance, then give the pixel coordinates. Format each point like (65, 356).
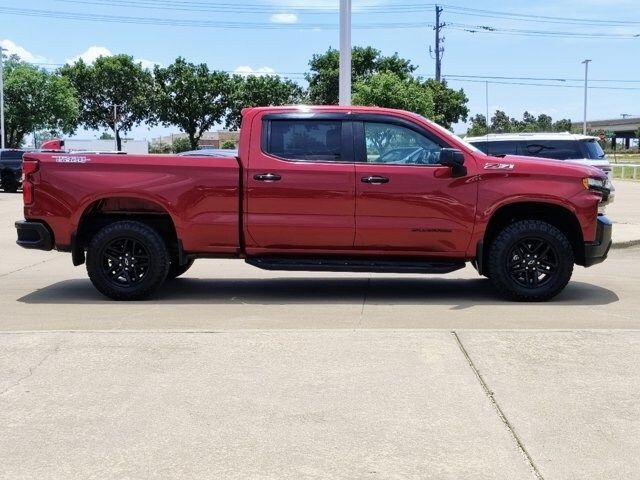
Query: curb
(625, 243)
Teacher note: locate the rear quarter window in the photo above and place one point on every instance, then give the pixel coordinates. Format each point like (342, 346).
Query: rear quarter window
(556, 149)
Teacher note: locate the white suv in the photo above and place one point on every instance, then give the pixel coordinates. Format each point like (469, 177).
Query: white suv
(558, 146)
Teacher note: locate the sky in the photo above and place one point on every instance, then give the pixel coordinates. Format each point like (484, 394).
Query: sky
(529, 41)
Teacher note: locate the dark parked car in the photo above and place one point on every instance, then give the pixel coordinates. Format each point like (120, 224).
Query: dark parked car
(11, 169)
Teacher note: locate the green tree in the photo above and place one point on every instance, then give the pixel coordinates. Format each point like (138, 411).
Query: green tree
(563, 125)
(478, 126)
(36, 100)
(182, 144)
(115, 81)
(389, 90)
(260, 91)
(500, 122)
(228, 145)
(366, 61)
(190, 97)
(106, 136)
(449, 105)
(160, 148)
(545, 123)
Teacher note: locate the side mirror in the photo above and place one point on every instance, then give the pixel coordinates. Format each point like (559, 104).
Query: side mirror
(454, 158)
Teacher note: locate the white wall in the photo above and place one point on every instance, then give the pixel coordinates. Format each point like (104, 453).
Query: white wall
(129, 146)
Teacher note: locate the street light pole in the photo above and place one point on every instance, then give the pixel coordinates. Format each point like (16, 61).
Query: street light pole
(2, 134)
(345, 53)
(586, 73)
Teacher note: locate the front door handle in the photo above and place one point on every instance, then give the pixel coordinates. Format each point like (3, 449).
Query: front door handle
(375, 180)
(267, 177)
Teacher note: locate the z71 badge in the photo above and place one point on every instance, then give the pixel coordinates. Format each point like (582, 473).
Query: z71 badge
(70, 159)
(499, 166)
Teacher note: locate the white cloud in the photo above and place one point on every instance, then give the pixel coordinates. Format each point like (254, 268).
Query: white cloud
(147, 64)
(91, 54)
(94, 52)
(246, 71)
(284, 18)
(11, 48)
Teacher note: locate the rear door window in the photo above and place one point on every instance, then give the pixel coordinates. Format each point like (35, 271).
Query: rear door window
(305, 140)
(556, 149)
(498, 149)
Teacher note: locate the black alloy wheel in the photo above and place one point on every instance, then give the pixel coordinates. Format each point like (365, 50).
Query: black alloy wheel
(532, 262)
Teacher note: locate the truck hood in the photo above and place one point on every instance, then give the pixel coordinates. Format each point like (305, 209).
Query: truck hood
(538, 165)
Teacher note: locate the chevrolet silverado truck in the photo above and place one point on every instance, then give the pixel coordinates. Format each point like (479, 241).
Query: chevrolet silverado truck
(320, 189)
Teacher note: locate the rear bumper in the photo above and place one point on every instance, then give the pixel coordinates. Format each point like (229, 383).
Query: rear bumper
(596, 252)
(34, 235)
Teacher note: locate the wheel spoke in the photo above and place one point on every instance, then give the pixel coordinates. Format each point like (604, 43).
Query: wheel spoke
(532, 262)
(125, 261)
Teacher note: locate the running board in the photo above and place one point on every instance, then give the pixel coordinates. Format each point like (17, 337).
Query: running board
(309, 264)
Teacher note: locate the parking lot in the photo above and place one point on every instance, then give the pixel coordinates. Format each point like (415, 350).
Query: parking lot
(234, 372)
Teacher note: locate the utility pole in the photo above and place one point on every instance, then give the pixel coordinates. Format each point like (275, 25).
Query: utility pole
(115, 125)
(439, 48)
(345, 53)
(586, 76)
(2, 134)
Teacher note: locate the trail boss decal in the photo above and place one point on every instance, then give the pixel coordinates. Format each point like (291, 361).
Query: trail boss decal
(70, 159)
(499, 166)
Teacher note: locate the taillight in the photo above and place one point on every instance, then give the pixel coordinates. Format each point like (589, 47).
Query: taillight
(29, 167)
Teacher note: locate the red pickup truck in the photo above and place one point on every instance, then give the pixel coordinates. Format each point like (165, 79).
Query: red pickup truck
(320, 188)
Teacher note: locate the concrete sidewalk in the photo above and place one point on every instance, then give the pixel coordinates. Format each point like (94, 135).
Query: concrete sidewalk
(625, 213)
(320, 404)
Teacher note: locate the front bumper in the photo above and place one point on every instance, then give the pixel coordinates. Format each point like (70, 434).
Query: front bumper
(34, 235)
(596, 252)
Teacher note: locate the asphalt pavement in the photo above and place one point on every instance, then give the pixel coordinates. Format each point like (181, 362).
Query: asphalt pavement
(234, 372)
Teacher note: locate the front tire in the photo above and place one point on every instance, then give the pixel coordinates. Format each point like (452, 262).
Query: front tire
(531, 261)
(127, 260)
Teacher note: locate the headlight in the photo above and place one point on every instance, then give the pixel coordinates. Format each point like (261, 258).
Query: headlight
(597, 184)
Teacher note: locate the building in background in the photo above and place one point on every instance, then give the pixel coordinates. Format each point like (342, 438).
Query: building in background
(208, 139)
(95, 145)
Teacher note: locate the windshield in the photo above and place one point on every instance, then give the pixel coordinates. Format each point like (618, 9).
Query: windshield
(593, 150)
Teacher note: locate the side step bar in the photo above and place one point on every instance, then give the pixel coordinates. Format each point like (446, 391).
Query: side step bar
(328, 264)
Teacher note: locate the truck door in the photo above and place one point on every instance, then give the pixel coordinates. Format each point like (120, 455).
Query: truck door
(406, 203)
(300, 184)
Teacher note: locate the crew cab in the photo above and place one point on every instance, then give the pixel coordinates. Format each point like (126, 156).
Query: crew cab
(316, 189)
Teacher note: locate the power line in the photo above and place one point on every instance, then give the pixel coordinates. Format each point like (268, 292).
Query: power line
(173, 22)
(500, 82)
(484, 77)
(537, 18)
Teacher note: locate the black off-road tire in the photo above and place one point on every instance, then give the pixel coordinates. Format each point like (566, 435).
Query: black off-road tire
(9, 184)
(530, 261)
(175, 269)
(127, 260)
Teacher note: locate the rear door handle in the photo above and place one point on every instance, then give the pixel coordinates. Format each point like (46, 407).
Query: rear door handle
(267, 177)
(375, 180)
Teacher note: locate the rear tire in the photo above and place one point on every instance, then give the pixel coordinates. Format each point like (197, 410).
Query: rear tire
(530, 261)
(127, 260)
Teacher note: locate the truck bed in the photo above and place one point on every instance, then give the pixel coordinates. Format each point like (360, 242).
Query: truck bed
(200, 193)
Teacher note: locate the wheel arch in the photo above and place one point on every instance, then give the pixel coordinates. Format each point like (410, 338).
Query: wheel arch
(108, 209)
(560, 217)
